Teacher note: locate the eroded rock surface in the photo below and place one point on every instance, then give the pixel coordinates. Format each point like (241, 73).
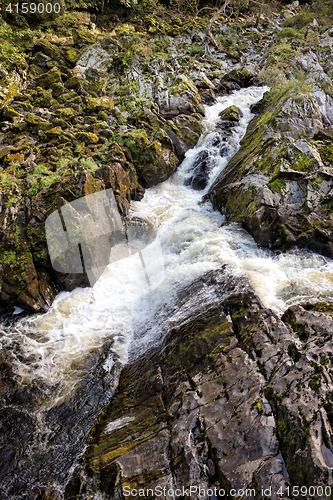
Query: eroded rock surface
(230, 392)
(279, 184)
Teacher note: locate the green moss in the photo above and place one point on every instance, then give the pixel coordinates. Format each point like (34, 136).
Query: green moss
(290, 33)
(71, 55)
(293, 352)
(86, 137)
(66, 113)
(99, 104)
(300, 20)
(292, 434)
(231, 113)
(47, 79)
(277, 186)
(10, 85)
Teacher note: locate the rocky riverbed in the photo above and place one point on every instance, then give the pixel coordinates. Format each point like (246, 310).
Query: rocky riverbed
(230, 395)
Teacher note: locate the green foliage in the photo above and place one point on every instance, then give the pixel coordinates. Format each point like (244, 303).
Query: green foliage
(195, 50)
(88, 164)
(290, 33)
(299, 21)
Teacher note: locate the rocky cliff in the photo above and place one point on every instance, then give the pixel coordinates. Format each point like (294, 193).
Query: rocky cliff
(232, 396)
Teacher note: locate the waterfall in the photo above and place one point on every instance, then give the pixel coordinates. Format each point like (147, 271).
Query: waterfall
(49, 351)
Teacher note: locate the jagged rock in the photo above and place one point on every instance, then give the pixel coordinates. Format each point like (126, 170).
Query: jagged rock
(9, 112)
(96, 59)
(242, 77)
(202, 166)
(48, 48)
(181, 98)
(41, 59)
(36, 122)
(47, 79)
(278, 185)
(229, 392)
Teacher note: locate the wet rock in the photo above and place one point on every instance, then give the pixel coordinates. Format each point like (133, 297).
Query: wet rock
(228, 394)
(278, 185)
(202, 166)
(241, 77)
(231, 113)
(29, 470)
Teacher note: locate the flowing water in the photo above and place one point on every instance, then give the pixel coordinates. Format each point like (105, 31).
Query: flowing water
(193, 239)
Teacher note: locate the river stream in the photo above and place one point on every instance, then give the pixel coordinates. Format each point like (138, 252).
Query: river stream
(49, 350)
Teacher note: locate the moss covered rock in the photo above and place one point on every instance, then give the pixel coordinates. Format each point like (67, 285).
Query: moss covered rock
(47, 79)
(10, 86)
(278, 184)
(99, 104)
(36, 122)
(49, 49)
(231, 113)
(86, 137)
(9, 113)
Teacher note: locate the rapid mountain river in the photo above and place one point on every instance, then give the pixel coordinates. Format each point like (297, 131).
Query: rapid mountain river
(48, 352)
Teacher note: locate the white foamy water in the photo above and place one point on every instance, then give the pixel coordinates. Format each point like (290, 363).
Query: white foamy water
(193, 242)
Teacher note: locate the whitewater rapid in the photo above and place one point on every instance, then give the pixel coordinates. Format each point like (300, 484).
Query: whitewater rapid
(193, 239)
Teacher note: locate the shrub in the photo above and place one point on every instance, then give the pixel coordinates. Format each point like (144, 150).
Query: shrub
(300, 20)
(290, 33)
(195, 50)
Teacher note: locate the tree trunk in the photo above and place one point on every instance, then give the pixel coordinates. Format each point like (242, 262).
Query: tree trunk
(209, 34)
(259, 13)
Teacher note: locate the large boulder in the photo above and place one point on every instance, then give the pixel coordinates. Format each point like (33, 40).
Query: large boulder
(180, 97)
(230, 397)
(279, 184)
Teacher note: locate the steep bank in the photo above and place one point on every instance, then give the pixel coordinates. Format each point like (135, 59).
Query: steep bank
(230, 391)
(119, 107)
(268, 376)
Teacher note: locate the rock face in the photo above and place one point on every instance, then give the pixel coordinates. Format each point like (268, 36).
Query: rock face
(28, 461)
(232, 397)
(77, 141)
(279, 184)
